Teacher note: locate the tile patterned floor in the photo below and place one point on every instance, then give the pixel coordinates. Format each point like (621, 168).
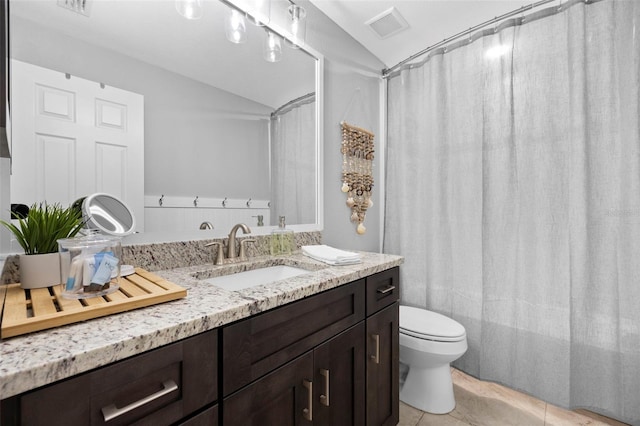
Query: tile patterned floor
(481, 403)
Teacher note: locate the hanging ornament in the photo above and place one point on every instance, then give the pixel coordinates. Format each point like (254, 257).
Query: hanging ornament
(357, 171)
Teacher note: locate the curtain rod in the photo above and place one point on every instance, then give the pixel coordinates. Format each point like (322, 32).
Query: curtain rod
(387, 71)
(292, 102)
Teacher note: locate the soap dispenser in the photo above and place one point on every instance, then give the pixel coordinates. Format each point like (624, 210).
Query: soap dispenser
(282, 241)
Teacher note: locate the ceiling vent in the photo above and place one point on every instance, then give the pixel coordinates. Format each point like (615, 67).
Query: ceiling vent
(387, 23)
(83, 7)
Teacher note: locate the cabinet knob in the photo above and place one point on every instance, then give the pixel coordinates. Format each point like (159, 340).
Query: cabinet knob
(307, 413)
(387, 289)
(111, 412)
(376, 356)
(324, 398)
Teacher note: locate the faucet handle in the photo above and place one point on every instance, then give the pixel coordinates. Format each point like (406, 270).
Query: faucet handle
(243, 252)
(220, 256)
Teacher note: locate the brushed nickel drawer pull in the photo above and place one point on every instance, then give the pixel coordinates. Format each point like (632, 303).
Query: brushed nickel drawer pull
(387, 289)
(376, 357)
(111, 412)
(307, 413)
(324, 399)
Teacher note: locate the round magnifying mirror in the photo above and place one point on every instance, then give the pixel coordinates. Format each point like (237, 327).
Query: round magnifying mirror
(107, 213)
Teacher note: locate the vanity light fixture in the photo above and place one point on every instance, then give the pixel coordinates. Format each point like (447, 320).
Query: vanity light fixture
(272, 51)
(235, 27)
(190, 9)
(298, 25)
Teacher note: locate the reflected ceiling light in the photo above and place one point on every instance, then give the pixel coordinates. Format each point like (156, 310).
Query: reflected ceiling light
(272, 51)
(235, 27)
(190, 9)
(298, 25)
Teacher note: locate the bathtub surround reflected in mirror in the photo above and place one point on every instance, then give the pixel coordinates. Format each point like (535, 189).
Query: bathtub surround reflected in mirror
(207, 102)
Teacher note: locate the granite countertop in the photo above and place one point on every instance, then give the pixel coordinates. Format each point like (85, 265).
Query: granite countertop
(37, 359)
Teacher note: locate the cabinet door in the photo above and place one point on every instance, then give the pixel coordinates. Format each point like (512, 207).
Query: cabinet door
(382, 367)
(339, 382)
(281, 398)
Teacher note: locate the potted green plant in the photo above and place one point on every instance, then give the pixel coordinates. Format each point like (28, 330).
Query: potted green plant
(38, 233)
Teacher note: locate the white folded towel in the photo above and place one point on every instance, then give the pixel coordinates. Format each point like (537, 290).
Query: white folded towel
(330, 255)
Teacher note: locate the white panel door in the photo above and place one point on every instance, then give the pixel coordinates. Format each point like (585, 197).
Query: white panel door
(72, 137)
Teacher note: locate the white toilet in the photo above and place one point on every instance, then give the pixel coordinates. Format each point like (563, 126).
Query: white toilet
(428, 343)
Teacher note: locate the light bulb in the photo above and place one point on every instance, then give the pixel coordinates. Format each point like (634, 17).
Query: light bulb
(272, 48)
(298, 25)
(190, 9)
(235, 27)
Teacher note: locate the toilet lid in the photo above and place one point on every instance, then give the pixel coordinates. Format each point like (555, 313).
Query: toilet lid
(429, 325)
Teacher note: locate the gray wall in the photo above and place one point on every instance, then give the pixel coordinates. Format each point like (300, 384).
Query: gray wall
(348, 67)
(191, 146)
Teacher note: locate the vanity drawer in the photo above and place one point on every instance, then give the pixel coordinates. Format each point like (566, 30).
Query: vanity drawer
(159, 387)
(258, 345)
(383, 289)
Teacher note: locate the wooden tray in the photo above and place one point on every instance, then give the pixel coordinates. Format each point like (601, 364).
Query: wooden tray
(26, 311)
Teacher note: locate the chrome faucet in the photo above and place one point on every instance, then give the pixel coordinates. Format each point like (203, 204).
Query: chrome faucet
(231, 246)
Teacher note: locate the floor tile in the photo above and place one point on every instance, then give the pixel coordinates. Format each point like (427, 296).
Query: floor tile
(600, 418)
(557, 416)
(481, 403)
(409, 416)
(440, 420)
(480, 410)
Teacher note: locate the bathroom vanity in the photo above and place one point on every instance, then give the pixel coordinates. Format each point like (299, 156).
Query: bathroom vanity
(319, 348)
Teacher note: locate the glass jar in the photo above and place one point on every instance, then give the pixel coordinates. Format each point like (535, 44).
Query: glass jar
(90, 265)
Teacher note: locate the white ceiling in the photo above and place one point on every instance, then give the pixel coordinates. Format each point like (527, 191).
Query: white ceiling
(430, 21)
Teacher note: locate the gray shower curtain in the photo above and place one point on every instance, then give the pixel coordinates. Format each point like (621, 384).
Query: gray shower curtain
(293, 162)
(513, 190)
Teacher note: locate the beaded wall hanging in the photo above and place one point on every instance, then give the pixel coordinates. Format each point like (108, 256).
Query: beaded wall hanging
(357, 171)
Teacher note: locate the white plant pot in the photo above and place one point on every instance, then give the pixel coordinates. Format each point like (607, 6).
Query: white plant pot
(39, 270)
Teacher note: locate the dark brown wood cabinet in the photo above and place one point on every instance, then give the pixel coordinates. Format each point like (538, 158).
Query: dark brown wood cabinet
(383, 403)
(325, 386)
(339, 379)
(258, 345)
(318, 371)
(282, 397)
(162, 386)
(328, 359)
(383, 367)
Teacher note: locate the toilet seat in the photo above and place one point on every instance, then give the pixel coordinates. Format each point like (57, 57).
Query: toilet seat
(427, 325)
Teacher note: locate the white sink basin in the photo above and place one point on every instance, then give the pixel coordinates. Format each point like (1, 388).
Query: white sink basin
(256, 277)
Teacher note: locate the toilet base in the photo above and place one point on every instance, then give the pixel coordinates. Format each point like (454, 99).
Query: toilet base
(429, 389)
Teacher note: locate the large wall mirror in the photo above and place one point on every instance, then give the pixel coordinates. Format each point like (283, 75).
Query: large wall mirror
(227, 136)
